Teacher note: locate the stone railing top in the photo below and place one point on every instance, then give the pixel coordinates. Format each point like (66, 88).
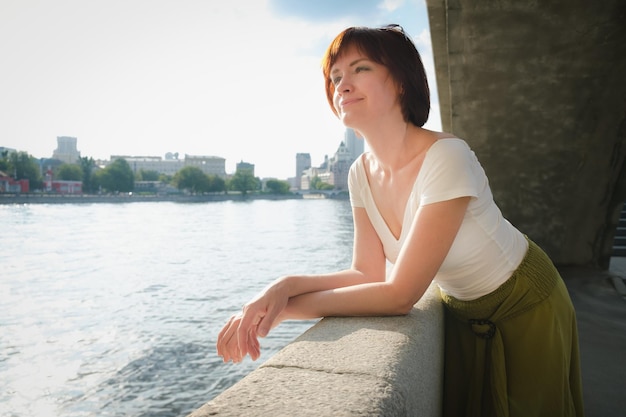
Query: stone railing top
(366, 366)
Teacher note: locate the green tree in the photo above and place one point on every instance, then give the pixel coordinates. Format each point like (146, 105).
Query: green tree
(147, 175)
(192, 179)
(24, 167)
(318, 184)
(69, 172)
(4, 161)
(244, 181)
(96, 180)
(277, 186)
(217, 184)
(166, 179)
(87, 166)
(117, 177)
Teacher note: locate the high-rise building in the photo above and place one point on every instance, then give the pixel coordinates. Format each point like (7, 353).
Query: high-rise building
(339, 164)
(339, 167)
(334, 170)
(66, 150)
(354, 144)
(303, 162)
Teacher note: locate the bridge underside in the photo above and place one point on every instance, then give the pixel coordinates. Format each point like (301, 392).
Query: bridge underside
(538, 89)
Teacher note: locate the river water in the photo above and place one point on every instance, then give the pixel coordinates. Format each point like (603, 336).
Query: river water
(114, 309)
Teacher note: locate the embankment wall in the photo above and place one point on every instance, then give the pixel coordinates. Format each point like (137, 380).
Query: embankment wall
(365, 366)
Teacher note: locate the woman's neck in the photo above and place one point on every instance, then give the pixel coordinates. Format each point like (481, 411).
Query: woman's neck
(395, 148)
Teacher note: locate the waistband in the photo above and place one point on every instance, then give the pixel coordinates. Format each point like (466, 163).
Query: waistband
(536, 273)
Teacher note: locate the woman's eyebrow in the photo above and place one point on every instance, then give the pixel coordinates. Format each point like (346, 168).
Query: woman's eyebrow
(353, 63)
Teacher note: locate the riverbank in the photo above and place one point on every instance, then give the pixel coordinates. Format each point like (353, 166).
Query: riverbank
(143, 198)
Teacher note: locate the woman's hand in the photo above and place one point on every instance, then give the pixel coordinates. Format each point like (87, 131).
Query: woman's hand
(228, 342)
(239, 336)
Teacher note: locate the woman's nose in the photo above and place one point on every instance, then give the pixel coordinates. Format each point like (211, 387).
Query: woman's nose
(344, 85)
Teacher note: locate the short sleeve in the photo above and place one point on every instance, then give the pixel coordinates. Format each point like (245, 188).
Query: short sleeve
(450, 170)
(356, 176)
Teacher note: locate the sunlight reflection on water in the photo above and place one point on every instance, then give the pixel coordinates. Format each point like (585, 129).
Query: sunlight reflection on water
(114, 309)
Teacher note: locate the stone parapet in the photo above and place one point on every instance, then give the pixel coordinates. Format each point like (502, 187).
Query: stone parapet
(365, 366)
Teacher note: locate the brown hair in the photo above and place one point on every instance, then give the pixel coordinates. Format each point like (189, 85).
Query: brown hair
(389, 46)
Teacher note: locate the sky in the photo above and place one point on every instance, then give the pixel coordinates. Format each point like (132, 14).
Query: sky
(238, 79)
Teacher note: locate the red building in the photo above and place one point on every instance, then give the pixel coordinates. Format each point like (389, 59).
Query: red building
(62, 186)
(67, 187)
(9, 185)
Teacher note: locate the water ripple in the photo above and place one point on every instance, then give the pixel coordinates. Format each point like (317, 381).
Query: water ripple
(114, 309)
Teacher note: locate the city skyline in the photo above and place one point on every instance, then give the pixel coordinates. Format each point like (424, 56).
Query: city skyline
(238, 79)
(68, 148)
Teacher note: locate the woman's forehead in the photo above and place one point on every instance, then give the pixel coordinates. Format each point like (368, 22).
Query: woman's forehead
(349, 52)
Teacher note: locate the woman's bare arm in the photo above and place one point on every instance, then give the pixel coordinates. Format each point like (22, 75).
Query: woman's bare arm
(429, 240)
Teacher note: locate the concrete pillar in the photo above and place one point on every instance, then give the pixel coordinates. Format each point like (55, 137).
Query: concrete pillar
(538, 90)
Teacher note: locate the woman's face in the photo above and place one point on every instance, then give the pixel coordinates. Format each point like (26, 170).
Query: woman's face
(365, 91)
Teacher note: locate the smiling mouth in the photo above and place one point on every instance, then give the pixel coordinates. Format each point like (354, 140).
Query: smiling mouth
(348, 102)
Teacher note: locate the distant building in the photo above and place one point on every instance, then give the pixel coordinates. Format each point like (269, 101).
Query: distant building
(339, 167)
(10, 185)
(67, 187)
(303, 162)
(245, 166)
(61, 186)
(308, 175)
(210, 165)
(7, 150)
(151, 163)
(355, 145)
(335, 170)
(66, 150)
(48, 165)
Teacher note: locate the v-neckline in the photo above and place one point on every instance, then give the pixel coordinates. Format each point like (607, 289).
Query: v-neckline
(410, 198)
(380, 223)
(403, 228)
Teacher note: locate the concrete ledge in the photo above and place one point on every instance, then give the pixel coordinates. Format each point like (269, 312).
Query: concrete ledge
(366, 366)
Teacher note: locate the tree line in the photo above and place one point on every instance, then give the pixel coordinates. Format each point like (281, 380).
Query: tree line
(118, 177)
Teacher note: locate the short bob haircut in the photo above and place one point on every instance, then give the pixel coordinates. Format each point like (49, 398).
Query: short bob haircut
(389, 46)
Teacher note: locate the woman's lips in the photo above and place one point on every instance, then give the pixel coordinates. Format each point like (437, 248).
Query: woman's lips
(345, 103)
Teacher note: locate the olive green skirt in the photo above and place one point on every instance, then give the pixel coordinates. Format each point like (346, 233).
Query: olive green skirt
(514, 352)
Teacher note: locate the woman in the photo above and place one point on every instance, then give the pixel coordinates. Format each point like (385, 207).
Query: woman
(422, 201)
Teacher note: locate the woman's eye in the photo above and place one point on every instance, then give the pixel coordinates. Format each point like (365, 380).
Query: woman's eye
(359, 69)
(336, 80)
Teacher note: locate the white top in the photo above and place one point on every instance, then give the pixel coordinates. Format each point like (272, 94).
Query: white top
(487, 248)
